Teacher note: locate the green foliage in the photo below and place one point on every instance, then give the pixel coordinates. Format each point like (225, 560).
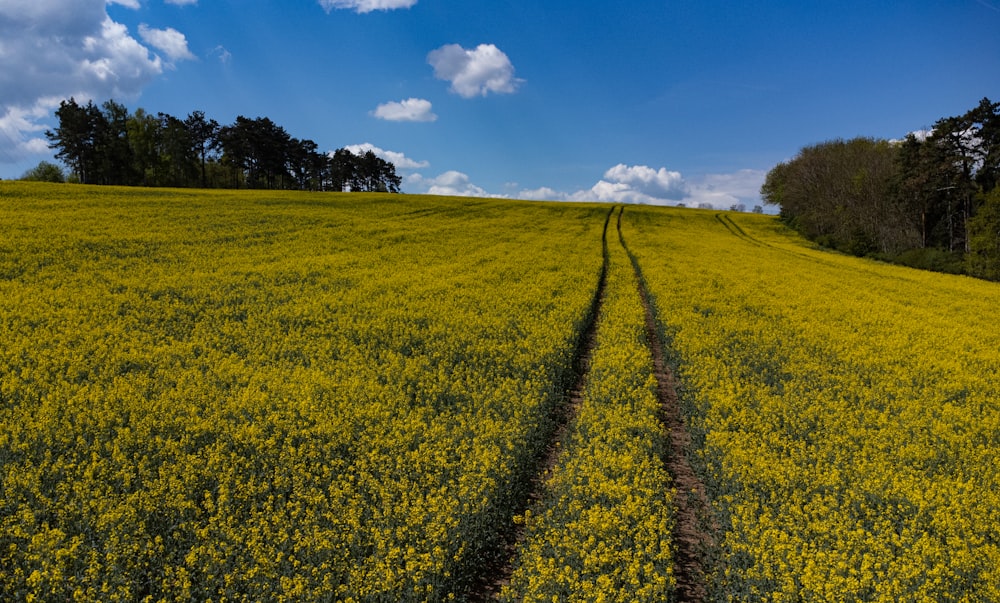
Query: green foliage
(362, 173)
(912, 201)
(934, 259)
(108, 145)
(45, 171)
(983, 258)
(839, 194)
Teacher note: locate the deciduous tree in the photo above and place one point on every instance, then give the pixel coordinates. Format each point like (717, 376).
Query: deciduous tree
(983, 259)
(45, 171)
(840, 193)
(204, 135)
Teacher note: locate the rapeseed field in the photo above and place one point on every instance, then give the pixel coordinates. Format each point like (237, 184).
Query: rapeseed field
(250, 395)
(848, 412)
(602, 531)
(242, 396)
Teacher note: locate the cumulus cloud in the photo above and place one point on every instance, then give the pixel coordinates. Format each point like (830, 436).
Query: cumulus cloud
(20, 134)
(366, 6)
(62, 47)
(645, 181)
(401, 161)
(474, 72)
(638, 184)
(645, 185)
(625, 184)
(542, 194)
(53, 49)
(451, 183)
(169, 41)
(411, 109)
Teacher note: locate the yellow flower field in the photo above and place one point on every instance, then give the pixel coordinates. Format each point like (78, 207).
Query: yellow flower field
(250, 395)
(849, 411)
(602, 531)
(270, 396)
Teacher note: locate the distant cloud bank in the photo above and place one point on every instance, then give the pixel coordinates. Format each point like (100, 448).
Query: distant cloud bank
(645, 185)
(637, 184)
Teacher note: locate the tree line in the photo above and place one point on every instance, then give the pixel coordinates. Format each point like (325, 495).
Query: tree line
(929, 200)
(107, 144)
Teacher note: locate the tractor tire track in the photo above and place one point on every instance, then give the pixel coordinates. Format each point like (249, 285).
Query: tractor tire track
(495, 576)
(692, 535)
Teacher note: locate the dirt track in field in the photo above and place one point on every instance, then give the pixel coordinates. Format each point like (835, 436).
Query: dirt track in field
(692, 540)
(495, 577)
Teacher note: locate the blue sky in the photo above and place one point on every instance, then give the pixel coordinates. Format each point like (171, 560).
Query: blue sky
(639, 101)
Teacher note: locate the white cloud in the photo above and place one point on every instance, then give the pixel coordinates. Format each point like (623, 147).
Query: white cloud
(401, 161)
(366, 6)
(411, 109)
(182, 2)
(221, 53)
(625, 184)
(53, 49)
(645, 185)
(920, 135)
(451, 183)
(543, 193)
(621, 184)
(613, 192)
(169, 41)
(474, 72)
(644, 180)
(46, 54)
(455, 183)
(724, 190)
(19, 133)
(125, 3)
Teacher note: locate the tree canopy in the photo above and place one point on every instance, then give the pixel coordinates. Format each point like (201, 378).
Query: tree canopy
(45, 171)
(107, 144)
(887, 198)
(839, 193)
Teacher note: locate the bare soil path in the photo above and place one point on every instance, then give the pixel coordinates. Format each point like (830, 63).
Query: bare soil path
(692, 538)
(495, 576)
